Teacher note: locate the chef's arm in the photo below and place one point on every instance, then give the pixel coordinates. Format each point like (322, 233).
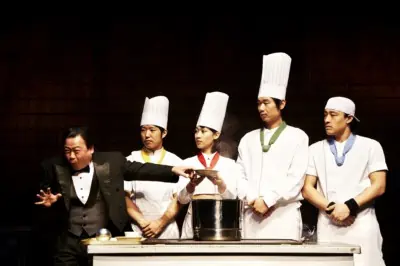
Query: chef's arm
(134, 212)
(186, 193)
(173, 209)
(312, 195)
(377, 175)
(377, 188)
(231, 177)
(290, 186)
(226, 191)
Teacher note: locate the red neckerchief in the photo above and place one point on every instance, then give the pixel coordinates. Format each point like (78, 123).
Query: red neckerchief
(203, 160)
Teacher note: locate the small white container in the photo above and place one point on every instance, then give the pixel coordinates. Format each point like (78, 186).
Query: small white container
(133, 234)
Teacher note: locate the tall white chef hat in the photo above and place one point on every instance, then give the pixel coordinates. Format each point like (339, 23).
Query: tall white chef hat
(275, 75)
(212, 114)
(342, 104)
(155, 112)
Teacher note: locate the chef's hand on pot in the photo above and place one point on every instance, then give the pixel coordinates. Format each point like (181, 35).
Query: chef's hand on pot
(218, 181)
(153, 229)
(259, 206)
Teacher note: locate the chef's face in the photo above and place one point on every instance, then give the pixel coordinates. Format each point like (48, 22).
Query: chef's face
(205, 137)
(336, 122)
(268, 109)
(152, 137)
(77, 153)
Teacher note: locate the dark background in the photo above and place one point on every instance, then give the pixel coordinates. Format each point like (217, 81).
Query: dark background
(60, 71)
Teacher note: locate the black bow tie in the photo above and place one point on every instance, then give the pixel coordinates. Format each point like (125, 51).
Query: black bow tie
(83, 170)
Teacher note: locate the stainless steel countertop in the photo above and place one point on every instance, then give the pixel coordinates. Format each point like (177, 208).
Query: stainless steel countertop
(243, 247)
(221, 242)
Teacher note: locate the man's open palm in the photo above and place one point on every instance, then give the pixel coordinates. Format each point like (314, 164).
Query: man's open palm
(47, 198)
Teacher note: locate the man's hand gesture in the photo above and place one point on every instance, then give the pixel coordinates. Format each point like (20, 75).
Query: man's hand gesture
(47, 198)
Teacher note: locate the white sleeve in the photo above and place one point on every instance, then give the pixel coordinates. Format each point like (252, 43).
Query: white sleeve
(311, 168)
(292, 185)
(182, 182)
(242, 162)
(128, 186)
(184, 197)
(230, 176)
(130, 158)
(376, 158)
(180, 185)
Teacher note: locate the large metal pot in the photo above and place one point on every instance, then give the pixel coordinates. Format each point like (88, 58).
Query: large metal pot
(217, 219)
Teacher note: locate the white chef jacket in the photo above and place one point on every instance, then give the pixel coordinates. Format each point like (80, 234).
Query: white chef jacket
(152, 197)
(341, 183)
(278, 177)
(229, 171)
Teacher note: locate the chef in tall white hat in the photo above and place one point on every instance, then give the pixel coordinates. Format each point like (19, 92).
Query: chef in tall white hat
(155, 112)
(273, 161)
(153, 206)
(223, 182)
(350, 173)
(213, 112)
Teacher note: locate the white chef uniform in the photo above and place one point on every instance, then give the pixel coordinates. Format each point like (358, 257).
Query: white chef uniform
(153, 198)
(341, 183)
(277, 175)
(212, 116)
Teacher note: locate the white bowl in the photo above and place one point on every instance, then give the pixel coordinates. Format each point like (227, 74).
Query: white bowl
(132, 234)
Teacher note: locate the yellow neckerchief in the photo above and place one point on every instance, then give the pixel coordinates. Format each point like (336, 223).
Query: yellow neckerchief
(146, 156)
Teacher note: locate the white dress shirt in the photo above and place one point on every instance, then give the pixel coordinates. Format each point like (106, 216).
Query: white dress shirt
(82, 184)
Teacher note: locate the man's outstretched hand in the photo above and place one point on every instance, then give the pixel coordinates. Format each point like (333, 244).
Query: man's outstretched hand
(47, 198)
(186, 171)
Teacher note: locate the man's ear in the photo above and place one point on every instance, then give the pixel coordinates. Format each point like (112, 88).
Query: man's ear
(349, 118)
(282, 105)
(91, 149)
(164, 134)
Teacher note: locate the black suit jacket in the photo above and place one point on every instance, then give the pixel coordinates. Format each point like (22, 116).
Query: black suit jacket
(111, 169)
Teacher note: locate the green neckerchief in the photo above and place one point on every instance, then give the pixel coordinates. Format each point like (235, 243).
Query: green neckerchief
(274, 137)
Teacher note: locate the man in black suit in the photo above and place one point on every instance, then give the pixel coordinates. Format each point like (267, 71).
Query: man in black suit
(86, 188)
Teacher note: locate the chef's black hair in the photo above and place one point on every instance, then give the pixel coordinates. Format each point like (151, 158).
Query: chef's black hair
(353, 124)
(278, 103)
(160, 128)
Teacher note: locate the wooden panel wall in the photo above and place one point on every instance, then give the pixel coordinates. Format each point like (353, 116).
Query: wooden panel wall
(58, 71)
